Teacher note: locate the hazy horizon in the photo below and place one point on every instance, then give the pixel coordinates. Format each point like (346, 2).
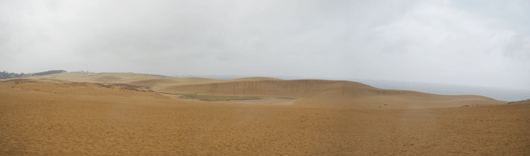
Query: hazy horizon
(475, 43)
(504, 94)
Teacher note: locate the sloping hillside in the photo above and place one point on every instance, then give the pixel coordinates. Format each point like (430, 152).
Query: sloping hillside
(308, 93)
(6, 75)
(338, 94)
(294, 88)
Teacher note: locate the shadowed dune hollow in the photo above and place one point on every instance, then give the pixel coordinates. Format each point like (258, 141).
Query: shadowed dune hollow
(134, 114)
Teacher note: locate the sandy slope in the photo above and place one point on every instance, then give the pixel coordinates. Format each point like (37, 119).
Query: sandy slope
(60, 117)
(309, 93)
(337, 94)
(96, 77)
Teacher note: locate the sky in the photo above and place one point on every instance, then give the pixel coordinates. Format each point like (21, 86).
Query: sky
(464, 42)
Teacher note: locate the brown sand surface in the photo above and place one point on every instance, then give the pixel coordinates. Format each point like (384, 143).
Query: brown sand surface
(63, 115)
(336, 94)
(268, 101)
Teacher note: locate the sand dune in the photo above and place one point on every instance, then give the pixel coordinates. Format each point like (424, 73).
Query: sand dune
(295, 88)
(254, 79)
(77, 114)
(309, 93)
(154, 82)
(341, 94)
(97, 77)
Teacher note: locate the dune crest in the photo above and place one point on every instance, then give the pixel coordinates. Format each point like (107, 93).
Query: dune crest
(337, 94)
(76, 115)
(308, 92)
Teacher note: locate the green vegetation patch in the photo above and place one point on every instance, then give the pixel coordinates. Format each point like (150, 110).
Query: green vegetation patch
(218, 98)
(214, 97)
(122, 86)
(288, 98)
(167, 93)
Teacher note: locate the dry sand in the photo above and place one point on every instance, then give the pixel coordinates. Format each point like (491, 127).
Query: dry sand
(98, 114)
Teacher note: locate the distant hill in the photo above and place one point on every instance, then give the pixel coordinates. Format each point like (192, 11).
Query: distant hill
(6, 75)
(49, 72)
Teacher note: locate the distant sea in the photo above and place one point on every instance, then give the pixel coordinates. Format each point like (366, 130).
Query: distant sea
(433, 88)
(449, 89)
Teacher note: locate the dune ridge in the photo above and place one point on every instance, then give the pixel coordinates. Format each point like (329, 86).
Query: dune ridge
(327, 93)
(308, 92)
(76, 115)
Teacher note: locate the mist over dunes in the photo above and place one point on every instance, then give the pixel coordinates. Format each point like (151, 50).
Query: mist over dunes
(433, 88)
(140, 114)
(343, 94)
(502, 94)
(6, 75)
(309, 92)
(270, 77)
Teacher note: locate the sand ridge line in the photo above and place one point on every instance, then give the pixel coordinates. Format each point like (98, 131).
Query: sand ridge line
(311, 93)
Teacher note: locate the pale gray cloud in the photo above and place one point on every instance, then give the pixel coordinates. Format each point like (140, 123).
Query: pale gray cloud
(483, 43)
(519, 47)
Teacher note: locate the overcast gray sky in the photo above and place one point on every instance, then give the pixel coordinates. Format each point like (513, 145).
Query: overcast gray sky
(481, 43)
